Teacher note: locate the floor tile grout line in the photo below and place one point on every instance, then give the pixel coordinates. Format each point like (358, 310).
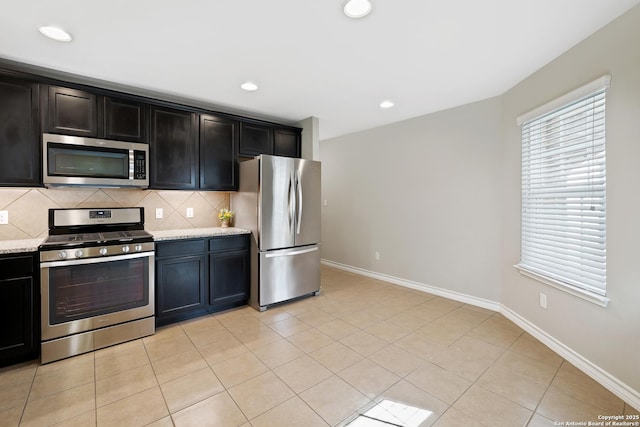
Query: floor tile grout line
(546, 390)
(273, 372)
(479, 385)
(574, 397)
(225, 389)
(95, 389)
(26, 399)
(475, 381)
(334, 374)
(55, 393)
(155, 375)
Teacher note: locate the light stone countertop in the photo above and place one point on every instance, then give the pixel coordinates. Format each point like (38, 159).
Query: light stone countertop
(31, 245)
(17, 246)
(193, 233)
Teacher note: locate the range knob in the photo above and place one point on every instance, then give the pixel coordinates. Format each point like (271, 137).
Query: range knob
(125, 248)
(62, 254)
(79, 253)
(103, 251)
(138, 248)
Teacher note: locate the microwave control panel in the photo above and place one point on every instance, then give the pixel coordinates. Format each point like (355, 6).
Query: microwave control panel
(139, 165)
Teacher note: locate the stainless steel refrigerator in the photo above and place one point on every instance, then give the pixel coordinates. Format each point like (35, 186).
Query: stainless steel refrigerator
(279, 201)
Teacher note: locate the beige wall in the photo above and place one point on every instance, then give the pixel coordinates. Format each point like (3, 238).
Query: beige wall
(310, 141)
(422, 192)
(608, 337)
(439, 197)
(28, 207)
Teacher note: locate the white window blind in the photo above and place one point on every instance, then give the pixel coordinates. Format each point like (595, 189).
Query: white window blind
(563, 193)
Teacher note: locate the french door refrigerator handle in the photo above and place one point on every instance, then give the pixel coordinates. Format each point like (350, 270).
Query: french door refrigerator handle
(291, 203)
(299, 201)
(290, 253)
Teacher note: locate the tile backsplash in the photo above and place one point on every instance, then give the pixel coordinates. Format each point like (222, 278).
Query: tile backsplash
(28, 207)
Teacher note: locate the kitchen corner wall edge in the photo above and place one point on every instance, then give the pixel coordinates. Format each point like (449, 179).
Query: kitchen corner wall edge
(604, 378)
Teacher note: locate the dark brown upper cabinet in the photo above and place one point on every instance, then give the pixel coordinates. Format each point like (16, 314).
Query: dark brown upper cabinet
(19, 133)
(219, 137)
(81, 113)
(125, 120)
(71, 112)
(286, 142)
(173, 149)
(255, 139)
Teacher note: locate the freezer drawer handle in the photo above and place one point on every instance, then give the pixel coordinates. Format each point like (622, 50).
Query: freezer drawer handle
(304, 251)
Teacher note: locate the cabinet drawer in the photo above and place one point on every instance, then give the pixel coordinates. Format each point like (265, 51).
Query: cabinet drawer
(16, 267)
(229, 243)
(178, 248)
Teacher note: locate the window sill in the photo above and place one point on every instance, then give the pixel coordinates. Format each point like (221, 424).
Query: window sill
(585, 295)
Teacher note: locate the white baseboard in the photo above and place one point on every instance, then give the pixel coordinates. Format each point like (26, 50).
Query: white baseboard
(456, 296)
(608, 381)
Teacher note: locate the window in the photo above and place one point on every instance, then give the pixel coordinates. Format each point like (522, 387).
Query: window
(563, 234)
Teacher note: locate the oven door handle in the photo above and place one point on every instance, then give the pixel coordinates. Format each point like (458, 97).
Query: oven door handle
(95, 260)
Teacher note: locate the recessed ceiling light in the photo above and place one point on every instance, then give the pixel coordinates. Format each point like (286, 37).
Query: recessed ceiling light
(386, 104)
(249, 86)
(55, 33)
(357, 8)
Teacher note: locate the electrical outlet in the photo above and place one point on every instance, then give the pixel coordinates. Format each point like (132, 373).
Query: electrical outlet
(543, 300)
(4, 217)
(189, 212)
(377, 255)
(325, 203)
(159, 213)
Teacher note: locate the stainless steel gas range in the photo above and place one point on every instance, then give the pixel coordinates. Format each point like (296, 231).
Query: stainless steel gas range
(97, 280)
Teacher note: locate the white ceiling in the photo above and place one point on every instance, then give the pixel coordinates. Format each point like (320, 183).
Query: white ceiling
(306, 56)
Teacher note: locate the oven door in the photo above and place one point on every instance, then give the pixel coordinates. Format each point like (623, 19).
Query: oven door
(88, 294)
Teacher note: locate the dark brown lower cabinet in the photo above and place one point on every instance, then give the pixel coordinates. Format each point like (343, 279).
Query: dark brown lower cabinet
(19, 308)
(228, 271)
(199, 276)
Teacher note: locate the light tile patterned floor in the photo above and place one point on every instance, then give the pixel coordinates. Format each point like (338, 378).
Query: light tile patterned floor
(315, 362)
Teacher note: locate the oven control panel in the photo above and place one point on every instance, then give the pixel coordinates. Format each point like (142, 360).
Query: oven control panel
(100, 214)
(95, 252)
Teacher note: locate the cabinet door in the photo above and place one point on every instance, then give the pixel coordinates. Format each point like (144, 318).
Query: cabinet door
(18, 311)
(218, 153)
(181, 288)
(72, 112)
(229, 278)
(255, 140)
(173, 149)
(286, 142)
(20, 157)
(125, 120)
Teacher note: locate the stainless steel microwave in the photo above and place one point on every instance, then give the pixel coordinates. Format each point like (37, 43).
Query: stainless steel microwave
(92, 162)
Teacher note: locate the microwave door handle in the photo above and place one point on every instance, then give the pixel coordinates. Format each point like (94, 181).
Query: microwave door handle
(132, 160)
